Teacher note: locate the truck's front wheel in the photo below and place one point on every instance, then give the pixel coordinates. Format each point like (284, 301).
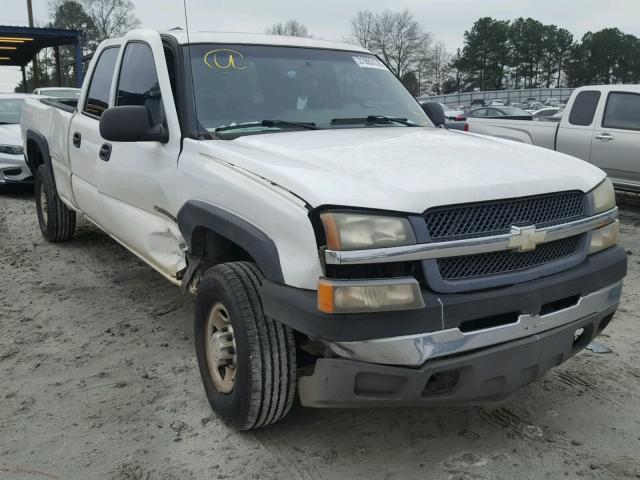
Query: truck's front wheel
(247, 361)
(57, 221)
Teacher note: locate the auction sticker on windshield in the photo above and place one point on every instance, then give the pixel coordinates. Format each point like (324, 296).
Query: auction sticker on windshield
(369, 62)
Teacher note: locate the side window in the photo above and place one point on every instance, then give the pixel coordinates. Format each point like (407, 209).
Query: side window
(482, 112)
(623, 111)
(97, 100)
(584, 108)
(138, 81)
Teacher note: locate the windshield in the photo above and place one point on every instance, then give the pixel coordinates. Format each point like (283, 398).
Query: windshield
(242, 86)
(61, 93)
(10, 110)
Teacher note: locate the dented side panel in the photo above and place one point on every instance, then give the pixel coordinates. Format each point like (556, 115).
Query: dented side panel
(157, 240)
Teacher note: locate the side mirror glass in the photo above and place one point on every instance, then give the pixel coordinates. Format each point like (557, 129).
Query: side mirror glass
(131, 123)
(435, 112)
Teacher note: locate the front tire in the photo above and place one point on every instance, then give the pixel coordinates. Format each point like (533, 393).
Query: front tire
(57, 222)
(247, 361)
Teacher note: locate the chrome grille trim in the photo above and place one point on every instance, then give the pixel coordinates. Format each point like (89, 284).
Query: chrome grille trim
(467, 246)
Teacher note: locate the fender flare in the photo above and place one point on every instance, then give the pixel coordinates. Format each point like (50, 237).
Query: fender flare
(43, 146)
(196, 214)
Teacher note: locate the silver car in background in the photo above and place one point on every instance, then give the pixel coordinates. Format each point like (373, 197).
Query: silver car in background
(13, 168)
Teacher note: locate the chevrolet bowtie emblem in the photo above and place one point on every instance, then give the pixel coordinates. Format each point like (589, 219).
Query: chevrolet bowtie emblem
(525, 239)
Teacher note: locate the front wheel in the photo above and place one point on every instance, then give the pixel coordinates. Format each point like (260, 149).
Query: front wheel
(247, 361)
(57, 221)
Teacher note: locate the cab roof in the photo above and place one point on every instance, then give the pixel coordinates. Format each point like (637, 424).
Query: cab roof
(238, 38)
(611, 88)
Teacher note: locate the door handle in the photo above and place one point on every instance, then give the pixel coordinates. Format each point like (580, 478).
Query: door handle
(77, 139)
(105, 152)
(605, 137)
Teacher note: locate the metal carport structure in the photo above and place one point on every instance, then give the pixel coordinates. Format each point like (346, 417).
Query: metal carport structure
(19, 46)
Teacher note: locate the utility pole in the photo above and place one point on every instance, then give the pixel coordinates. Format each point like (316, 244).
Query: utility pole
(35, 57)
(30, 12)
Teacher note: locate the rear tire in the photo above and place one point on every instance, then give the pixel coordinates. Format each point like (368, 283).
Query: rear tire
(264, 355)
(57, 222)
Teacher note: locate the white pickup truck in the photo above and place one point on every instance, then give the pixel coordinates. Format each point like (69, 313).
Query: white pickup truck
(340, 247)
(600, 125)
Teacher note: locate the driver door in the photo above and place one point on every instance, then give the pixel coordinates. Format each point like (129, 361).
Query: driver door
(137, 180)
(614, 144)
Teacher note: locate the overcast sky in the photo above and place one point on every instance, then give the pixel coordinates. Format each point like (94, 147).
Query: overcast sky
(329, 19)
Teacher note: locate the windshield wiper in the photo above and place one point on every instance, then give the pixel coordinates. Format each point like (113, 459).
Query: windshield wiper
(269, 123)
(379, 119)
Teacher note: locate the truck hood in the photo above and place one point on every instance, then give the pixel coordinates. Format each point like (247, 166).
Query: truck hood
(10, 134)
(400, 168)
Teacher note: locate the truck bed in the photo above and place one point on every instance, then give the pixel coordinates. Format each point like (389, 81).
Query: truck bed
(67, 104)
(50, 119)
(542, 134)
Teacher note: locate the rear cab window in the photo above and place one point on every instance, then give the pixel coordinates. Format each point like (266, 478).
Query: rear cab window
(97, 100)
(584, 108)
(622, 111)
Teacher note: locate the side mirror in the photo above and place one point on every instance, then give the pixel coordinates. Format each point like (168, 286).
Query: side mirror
(131, 123)
(435, 112)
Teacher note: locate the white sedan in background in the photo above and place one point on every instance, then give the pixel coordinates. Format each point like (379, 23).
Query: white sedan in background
(548, 114)
(13, 168)
(58, 92)
(545, 112)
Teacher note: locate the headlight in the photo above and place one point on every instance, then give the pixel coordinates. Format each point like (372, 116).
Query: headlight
(346, 296)
(353, 231)
(11, 149)
(604, 197)
(604, 237)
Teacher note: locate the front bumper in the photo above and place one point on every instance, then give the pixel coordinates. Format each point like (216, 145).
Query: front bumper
(415, 350)
(484, 376)
(298, 308)
(14, 169)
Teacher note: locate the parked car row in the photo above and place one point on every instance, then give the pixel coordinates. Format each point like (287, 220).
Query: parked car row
(496, 112)
(529, 104)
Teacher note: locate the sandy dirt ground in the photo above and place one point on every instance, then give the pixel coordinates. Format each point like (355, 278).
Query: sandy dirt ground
(98, 380)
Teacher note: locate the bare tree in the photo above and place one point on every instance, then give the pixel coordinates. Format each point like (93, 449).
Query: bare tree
(362, 26)
(292, 28)
(396, 36)
(434, 69)
(112, 18)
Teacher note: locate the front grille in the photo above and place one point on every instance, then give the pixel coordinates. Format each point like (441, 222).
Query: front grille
(473, 266)
(497, 217)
